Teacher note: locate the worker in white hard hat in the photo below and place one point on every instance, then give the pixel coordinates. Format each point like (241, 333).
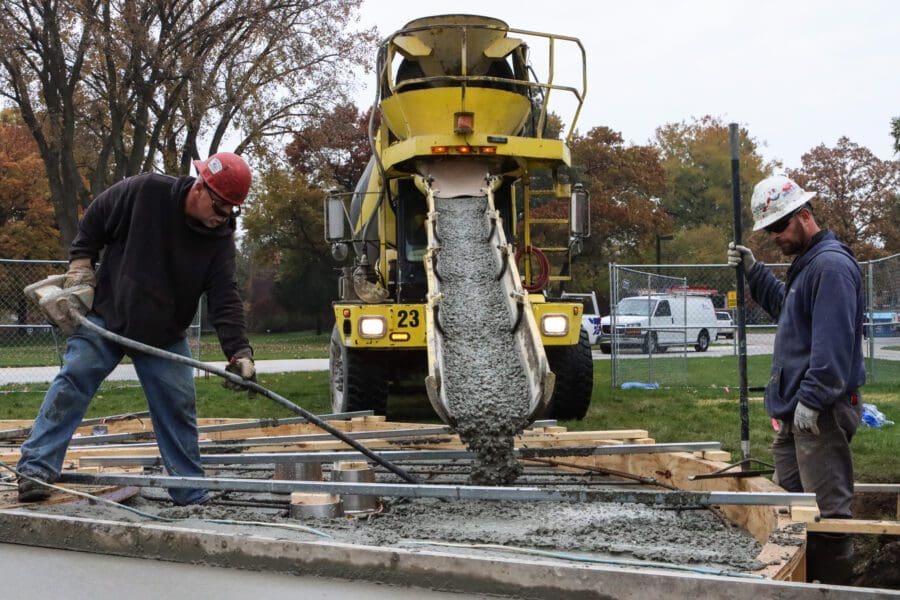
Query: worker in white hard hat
(817, 365)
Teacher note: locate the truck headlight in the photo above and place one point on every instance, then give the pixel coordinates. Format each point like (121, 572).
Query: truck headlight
(372, 327)
(555, 325)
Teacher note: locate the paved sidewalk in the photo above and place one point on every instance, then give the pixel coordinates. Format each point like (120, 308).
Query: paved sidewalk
(126, 372)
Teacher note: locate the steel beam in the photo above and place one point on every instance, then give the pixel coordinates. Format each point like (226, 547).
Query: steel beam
(402, 455)
(450, 492)
(113, 438)
(275, 440)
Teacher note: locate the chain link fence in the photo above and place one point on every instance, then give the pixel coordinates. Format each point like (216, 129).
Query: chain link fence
(663, 316)
(31, 349)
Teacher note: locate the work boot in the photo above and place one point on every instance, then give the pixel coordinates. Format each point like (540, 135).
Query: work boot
(829, 558)
(33, 491)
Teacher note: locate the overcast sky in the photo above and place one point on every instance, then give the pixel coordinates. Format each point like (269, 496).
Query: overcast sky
(795, 73)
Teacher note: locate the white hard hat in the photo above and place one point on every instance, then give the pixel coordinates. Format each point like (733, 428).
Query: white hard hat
(776, 197)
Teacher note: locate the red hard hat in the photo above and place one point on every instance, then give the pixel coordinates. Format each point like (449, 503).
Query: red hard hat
(227, 175)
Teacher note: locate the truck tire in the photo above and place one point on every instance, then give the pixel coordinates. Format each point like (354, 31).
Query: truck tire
(358, 380)
(574, 370)
(649, 346)
(702, 341)
(606, 348)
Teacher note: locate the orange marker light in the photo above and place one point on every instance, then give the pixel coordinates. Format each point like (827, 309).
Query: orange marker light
(487, 149)
(440, 149)
(465, 149)
(346, 312)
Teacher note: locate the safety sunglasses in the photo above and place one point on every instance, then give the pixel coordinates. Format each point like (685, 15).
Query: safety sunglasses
(781, 224)
(220, 207)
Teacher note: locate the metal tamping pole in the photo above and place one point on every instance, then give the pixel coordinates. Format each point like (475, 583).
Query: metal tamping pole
(734, 134)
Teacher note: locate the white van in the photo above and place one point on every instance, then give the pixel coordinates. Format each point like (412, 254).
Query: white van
(656, 322)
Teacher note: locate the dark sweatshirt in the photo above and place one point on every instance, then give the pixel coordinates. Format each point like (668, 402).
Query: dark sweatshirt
(818, 345)
(157, 263)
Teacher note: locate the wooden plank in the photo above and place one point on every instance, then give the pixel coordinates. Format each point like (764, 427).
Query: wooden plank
(717, 455)
(805, 514)
(858, 526)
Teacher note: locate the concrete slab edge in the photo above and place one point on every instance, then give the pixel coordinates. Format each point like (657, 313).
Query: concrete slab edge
(433, 570)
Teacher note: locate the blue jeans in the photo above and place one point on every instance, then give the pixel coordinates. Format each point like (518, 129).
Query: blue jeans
(171, 398)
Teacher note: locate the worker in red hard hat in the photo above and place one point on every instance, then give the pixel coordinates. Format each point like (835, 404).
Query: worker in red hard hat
(166, 241)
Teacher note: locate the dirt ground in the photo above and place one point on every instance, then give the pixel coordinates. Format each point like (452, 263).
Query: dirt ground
(877, 556)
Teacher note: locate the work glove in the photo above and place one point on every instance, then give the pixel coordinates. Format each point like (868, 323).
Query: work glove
(241, 363)
(61, 305)
(738, 254)
(80, 273)
(806, 419)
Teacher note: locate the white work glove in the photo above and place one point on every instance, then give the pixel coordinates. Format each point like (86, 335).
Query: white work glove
(80, 273)
(738, 254)
(806, 419)
(242, 364)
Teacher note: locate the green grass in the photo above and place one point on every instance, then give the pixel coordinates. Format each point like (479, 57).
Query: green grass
(710, 413)
(707, 412)
(36, 350)
(269, 346)
(309, 390)
(41, 348)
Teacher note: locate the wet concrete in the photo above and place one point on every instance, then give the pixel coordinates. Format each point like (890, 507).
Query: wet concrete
(484, 378)
(604, 531)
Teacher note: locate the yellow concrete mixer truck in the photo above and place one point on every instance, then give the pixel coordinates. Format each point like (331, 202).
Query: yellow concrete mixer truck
(463, 222)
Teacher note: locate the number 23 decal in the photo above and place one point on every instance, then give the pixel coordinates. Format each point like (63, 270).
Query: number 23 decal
(407, 318)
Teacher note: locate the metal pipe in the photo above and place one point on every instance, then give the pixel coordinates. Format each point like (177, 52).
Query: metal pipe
(734, 134)
(410, 490)
(258, 424)
(268, 440)
(403, 455)
(250, 385)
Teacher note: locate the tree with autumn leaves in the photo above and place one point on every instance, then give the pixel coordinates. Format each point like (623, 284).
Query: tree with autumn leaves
(112, 88)
(295, 278)
(857, 196)
(696, 158)
(625, 183)
(27, 224)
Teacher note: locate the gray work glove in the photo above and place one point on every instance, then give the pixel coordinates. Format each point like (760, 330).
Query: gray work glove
(80, 273)
(241, 363)
(61, 305)
(806, 419)
(738, 254)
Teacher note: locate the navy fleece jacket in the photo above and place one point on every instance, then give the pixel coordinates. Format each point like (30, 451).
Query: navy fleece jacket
(818, 347)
